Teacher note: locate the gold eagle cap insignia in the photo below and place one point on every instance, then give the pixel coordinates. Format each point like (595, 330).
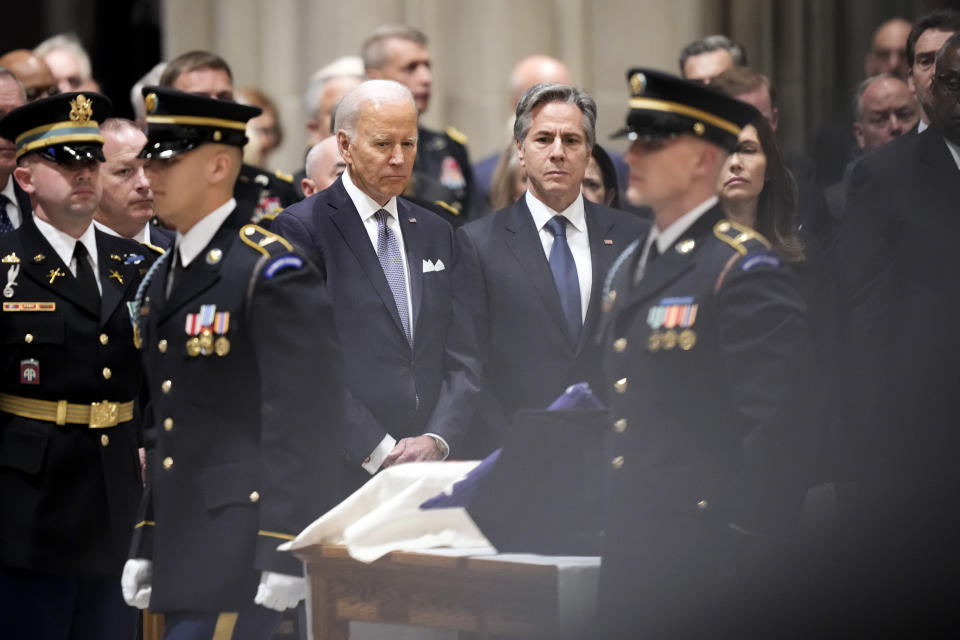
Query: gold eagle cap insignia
(150, 102)
(81, 110)
(638, 82)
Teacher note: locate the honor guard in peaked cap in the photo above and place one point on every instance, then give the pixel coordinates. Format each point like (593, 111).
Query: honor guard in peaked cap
(178, 122)
(663, 105)
(64, 128)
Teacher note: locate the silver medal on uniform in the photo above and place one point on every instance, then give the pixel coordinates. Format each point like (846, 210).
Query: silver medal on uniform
(12, 274)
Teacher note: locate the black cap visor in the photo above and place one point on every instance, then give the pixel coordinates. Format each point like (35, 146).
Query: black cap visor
(72, 154)
(167, 141)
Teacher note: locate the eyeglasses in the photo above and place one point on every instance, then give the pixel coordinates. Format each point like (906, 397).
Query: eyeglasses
(35, 93)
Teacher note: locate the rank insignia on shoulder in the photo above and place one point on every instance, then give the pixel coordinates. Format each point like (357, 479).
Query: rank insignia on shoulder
(737, 235)
(281, 263)
(258, 238)
(762, 259)
(457, 136)
(286, 177)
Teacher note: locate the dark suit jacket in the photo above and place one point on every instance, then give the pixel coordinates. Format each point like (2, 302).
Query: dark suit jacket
(900, 272)
(244, 457)
(527, 358)
(392, 388)
(68, 494)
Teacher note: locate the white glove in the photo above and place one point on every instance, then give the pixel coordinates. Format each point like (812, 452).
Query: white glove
(135, 582)
(279, 591)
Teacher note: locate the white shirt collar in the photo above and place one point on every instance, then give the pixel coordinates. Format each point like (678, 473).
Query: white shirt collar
(922, 126)
(365, 205)
(954, 151)
(666, 238)
(64, 243)
(140, 236)
(191, 243)
(542, 213)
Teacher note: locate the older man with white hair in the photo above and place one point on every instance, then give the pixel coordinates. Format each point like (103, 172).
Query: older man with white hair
(408, 356)
(324, 166)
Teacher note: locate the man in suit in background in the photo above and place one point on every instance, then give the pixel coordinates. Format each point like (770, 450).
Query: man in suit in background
(126, 207)
(14, 203)
(898, 268)
(409, 361)
(533, 271)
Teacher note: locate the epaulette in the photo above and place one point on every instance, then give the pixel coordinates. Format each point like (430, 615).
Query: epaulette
(449, 207)
(742, 238)
(457, 135)
(259, 238)
(154, 248)
(286, 177)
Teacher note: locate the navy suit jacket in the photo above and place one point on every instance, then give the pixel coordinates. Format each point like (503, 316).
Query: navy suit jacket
(391, 387)
(526, 356)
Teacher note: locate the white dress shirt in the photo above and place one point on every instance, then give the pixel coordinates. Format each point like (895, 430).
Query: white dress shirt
(954, 151)
(666, 238)
(366, 208)
(190, 244)
(12, 207)
(142, 236)
(577, 239)
(64, 245)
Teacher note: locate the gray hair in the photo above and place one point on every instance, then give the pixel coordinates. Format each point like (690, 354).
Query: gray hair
(6, 73)
(70, 43)
(374, 49)
(716, 42)
(116, 125)
(345, 66)
(377, 91)
(546, 92)
(862, 89)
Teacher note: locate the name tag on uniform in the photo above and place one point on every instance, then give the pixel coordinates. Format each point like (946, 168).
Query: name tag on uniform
(29, 306)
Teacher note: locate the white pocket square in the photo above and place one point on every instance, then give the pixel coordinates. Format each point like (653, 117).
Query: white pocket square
(429, 266)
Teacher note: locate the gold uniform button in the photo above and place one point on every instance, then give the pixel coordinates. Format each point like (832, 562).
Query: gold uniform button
(28, 338)
(620, 425)
(702, 505)
(104, 339)
(107, 373)
(104, 440)
(617, 462)
(620, 386)
(620, 345)
(162, 346)
(167, 424)
(167, 462)
(165, 386)
(254, 497)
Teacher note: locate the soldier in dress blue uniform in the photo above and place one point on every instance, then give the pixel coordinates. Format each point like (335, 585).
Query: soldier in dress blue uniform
(69, 429)
(242, 459)
(704, 343)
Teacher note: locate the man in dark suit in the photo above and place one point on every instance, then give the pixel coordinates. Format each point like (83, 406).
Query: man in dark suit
(69, 430)
(534, 269)
(126, 207)
(899, 276)
(242, 458)
(14, 203)
(705, 345)
(409, 360)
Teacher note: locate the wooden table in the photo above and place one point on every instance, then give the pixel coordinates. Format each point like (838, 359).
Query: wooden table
(478, 595)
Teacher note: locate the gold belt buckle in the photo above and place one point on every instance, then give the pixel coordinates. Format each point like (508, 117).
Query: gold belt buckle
(104, 414)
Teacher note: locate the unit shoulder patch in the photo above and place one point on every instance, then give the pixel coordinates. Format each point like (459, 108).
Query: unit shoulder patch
(288, 261)
(260, 239)
(743, 239)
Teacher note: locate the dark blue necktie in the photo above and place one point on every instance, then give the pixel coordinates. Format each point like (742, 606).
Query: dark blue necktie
(388, 250)
(565, 276)
(5, 225)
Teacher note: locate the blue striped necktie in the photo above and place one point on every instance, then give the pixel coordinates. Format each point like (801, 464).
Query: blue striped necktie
(391, 260)
(565, 276)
